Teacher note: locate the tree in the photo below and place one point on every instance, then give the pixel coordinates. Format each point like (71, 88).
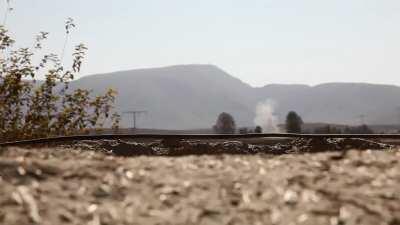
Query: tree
(363, 129)
(225, 124)
(243, 130)
(31, 109)
(258, 130)
(328, 129)
(293, 122)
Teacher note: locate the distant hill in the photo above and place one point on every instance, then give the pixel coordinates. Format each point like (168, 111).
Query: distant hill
(192, 96)
(340, 103)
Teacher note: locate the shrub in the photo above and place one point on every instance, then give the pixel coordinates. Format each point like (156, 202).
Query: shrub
(30, 108)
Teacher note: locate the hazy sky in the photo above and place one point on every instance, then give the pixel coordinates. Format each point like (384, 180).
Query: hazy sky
(258, 41)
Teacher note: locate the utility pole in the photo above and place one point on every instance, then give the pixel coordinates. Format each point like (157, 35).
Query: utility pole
(134, 114)
(398, 114)
(362, 119)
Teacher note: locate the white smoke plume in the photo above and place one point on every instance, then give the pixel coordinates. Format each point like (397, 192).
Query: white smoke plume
(265, 117)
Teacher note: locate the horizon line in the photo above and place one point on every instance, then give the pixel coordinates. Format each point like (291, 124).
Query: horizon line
(218, 67)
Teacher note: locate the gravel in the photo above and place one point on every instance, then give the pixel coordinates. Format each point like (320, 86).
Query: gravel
(82, 185)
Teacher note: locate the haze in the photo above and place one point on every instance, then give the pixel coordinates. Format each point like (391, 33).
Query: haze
(260, 42)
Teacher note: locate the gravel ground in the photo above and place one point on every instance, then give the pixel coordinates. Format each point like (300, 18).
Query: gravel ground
(61, 185)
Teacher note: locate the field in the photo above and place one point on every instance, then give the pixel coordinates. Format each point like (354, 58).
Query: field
(89, 183)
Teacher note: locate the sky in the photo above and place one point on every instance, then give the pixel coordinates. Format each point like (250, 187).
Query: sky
(258, 41)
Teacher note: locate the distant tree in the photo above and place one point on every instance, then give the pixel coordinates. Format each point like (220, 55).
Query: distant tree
(363, 129)
(293, 122)
(328, 129)
(322, 130)
(225, 124)
(243, 130)
(258, 130)
(335, 130)
(347, 130)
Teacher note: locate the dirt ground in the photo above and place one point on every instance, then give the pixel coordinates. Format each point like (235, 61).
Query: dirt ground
(74, 184)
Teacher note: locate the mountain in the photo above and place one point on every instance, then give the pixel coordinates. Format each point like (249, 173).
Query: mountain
(340, 103)
(176, 97)
(192, 96)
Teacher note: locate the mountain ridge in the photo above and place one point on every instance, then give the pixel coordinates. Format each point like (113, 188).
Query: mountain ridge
(191, 96)
(144, 69)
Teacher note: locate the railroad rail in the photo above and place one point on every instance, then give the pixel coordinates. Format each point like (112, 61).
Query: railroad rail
(194, 136)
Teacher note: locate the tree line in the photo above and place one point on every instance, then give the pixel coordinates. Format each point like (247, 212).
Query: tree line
(226, 124)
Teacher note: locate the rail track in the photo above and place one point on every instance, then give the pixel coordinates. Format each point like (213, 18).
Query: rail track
(194, 136)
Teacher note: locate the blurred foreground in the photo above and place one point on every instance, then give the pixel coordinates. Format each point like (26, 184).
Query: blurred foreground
(68, 185)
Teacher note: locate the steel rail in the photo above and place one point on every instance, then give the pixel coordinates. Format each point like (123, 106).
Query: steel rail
(194, 136)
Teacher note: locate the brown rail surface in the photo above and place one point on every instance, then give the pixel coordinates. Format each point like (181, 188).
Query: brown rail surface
(194, 136)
